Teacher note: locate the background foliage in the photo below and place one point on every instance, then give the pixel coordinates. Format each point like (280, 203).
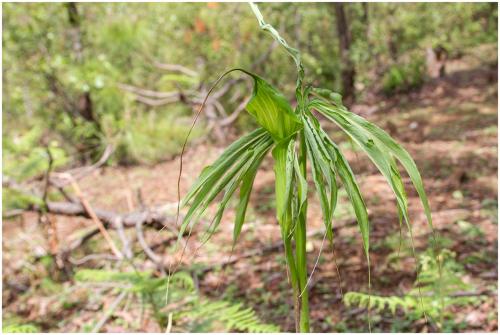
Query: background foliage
(53, 62)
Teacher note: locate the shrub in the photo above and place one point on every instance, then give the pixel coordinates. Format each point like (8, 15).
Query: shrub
(152, 137)
(404, 77)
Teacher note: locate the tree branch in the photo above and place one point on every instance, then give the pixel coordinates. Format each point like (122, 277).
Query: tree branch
(154, 217)
(148, 93)
(175, 68)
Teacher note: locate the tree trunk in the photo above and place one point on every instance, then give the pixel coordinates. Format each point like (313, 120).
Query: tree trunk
(393, 34)
(366, 19)
(74, 21)
(348, 72)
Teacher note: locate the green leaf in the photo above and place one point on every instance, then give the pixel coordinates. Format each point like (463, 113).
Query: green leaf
(328, 95)
(20, 328)
(214, 171)
(272, 110)
(246, 180)
(380, 157)
(349, 180)
(283, 154)
(245, 190)
(322, 169)
(213, 183)
(381, 149)
(210, 190)
(230, 189)
(302, 185)
(399, 153)
(294, 53)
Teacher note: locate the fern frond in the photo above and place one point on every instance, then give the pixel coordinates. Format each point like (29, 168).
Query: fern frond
(380, 303)
(425, 288)
(17, 328)
(232, 317)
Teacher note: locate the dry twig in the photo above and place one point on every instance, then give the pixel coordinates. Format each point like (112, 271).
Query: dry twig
(93, 216)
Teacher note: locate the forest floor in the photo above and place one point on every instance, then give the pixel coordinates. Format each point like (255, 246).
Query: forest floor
(449, 126)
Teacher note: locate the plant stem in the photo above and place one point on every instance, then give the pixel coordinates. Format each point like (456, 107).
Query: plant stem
(300, 248)
(292, 271)
(302, 293)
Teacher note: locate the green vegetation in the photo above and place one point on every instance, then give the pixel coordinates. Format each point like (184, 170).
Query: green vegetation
(186, 307)
(427, 288)
(16, 328)
(66, 64)
(115, 94)
(405, 77)
(295, 137)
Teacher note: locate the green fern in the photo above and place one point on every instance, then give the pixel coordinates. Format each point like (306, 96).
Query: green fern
(232, 317)
(198, 311)
(140, 282)
(428, 282)
(380, 303)
(20, 328)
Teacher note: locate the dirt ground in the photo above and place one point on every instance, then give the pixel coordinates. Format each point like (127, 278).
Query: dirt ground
(449, 126)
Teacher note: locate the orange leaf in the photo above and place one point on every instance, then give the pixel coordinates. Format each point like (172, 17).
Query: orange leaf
(199, 26)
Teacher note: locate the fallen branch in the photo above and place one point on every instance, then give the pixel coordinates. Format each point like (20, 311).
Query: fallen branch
(93, 216)
(153, 217)
(144, 245)
(148, 93)
(157, 218)
(109, 312)
(157, 102)
(126, 247)
(176, 68)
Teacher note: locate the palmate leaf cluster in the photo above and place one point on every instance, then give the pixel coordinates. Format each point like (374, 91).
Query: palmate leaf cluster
(281, 129)
(296, 138)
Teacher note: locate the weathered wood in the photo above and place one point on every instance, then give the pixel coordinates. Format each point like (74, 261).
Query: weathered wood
(155, 217)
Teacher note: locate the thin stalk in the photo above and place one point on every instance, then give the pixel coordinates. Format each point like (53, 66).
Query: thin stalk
(303, 299)
(292, 275)
(294, 281)
(300, 249)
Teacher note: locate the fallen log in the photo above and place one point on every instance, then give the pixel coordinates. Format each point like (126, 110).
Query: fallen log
(155, 217)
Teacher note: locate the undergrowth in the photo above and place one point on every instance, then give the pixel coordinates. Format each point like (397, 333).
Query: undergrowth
(187, 309)
(404, 76)
(410, 303)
